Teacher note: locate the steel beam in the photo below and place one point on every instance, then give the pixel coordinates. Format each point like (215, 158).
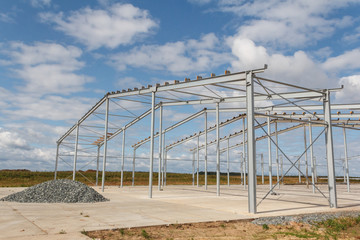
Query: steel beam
(96, 106)
(279, 96)
(240, 76)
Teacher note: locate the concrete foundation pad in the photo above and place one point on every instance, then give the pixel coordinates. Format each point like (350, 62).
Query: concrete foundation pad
(131, 207)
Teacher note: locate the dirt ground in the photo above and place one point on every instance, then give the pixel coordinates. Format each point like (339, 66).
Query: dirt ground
(242, 229)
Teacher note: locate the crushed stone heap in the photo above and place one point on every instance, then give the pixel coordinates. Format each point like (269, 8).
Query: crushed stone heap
(57, 191)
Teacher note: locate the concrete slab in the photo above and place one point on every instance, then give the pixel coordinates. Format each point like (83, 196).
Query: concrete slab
(131, 207)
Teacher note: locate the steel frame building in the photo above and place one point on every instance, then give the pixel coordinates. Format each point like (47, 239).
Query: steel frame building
(258, 97)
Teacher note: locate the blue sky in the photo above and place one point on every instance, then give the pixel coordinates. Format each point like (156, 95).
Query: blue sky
(58, 58)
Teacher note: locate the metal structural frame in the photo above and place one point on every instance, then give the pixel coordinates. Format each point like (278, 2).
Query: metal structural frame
(248, 89)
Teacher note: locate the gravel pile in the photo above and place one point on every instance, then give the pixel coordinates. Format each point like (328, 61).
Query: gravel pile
(57, 191)
(305, 218)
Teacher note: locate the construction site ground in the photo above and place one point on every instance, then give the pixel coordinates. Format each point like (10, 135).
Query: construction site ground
(131, 207)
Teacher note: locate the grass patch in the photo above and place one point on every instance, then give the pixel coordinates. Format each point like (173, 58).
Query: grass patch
(145, 234)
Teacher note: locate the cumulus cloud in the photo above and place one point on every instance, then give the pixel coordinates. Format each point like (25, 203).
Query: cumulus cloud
(297, 68)
(118, 24)
(288, 23)
(180, 58)
(347, 61)
(12, 140)
(17, 152)
(47, 67)
(351, 90)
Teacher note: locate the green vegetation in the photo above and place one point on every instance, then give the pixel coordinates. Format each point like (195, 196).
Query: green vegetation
(265, 227)
(26, 178)
(328, 229)
(145, 234)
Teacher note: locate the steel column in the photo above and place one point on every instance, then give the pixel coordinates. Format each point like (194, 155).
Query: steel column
(56, 160)
(244, 154)
(163, 160)
(277, 154)
(312, 158)
(193, 169)
(330, 151)
(315, 169)
(306, 159)
(198, 160)
(251, 144)
(269, 152)
(133, 169)
(262, 168)
(165, 167)
(206, 132)
(105, 143)
(228, 164)
(152, 127)
(122, 158)
(299, 166)
(241, 167)
(160, 146)
(346, 161)
(282, 168)
(76, 149)
(217, 151)
(97, 165)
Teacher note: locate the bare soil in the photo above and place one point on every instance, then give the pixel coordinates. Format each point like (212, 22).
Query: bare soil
(242, 229)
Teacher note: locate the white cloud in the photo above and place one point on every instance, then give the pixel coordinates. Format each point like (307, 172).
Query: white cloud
(12, 140)
(347, 61)
(119, 24)
(127, 82)
(40, 3)
(4, 17)
(350, 93)
(180, 58)
(298, 68)
(16, 152)
(46, 108)
(352, 37)
(47, 67)
(281, 24)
